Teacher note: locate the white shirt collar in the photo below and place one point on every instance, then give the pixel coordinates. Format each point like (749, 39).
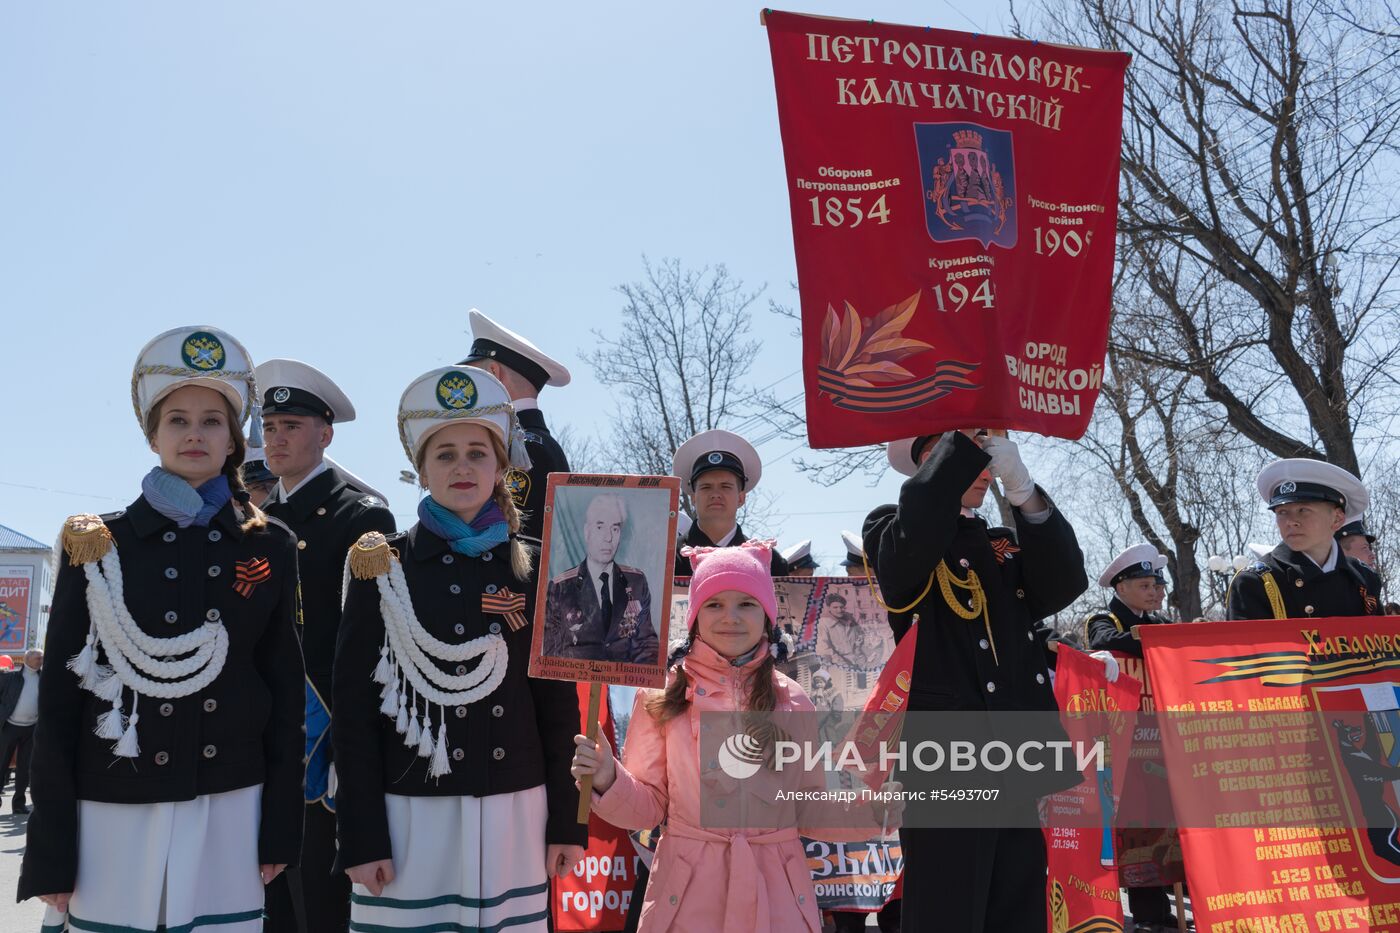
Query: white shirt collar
(724, 542)
(525, 404)
(1330, 564)
(283, 495)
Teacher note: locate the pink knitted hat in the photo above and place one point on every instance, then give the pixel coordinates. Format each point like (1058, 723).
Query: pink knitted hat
(743, 568)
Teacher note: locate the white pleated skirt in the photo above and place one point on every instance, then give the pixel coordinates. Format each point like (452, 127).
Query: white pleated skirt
(190, 865)
(462, 865)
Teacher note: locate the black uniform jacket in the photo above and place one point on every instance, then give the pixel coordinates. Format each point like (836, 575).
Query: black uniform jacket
(954, 667)
(778, 567)
(1351, 589)
(327, 515)
(528, 489)
(574, 627)
(1111, 629)
(517, 737)
(243, 729)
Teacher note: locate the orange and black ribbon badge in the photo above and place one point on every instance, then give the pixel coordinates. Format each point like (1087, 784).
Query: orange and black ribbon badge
(1003, 548)
(511, 605)
(249, 573)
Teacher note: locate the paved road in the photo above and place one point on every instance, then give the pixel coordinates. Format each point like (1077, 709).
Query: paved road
(14, 918)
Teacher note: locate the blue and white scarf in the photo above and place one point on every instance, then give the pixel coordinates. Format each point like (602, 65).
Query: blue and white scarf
(177, 500)
(472, 538)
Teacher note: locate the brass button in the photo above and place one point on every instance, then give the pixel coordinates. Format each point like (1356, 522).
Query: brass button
(461, 712)
(991, 687)
(168, 537)
(459, 628)
(1308, 610)
(454, 589)
(210, 705)
(171, 573)
(916, 617)
(301, 545)
(498, 754)
(1298, 583)
(984, 644)
(1030, 636)
(1020, 593)
(161, 758)
(486, 556)
(215, 570)
(458, 754)
(321, 510)
(215, 534)
(447, 558)
(210, 751)
(498, 711)
(495, 628)
(212, 615)
(490, 589)
(172, 616)
(167, 709)
(1040, 678)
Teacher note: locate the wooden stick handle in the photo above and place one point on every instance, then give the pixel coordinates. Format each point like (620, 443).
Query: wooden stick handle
(1180, 906)
(585, 793)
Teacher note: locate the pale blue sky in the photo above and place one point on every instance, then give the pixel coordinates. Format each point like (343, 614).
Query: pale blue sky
(340, 182)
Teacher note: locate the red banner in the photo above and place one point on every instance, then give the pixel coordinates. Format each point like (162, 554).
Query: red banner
(1082, 887)
(1146, 846)
(1306, 840)
(954, 200)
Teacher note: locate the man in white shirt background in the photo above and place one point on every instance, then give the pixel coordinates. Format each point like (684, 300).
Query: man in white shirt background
(19, 711)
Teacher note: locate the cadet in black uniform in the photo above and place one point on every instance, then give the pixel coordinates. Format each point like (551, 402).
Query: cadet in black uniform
(932, 556)
(1357, 541)
(524, 369)
(799, 559)
(456, 804)
(167, 762)
(718, 469)
(328, 510)
(1307, 575)
(1133, 577)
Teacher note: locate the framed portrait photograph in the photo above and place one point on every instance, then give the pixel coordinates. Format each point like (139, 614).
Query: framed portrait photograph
(602, 609)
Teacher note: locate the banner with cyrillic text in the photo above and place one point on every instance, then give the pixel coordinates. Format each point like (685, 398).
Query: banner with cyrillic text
(1310, 841)
(954, 199)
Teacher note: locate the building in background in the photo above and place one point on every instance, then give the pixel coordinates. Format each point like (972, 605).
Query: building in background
(26, 589)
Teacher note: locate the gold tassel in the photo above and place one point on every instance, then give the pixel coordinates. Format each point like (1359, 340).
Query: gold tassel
(86, 539)
(370, 556)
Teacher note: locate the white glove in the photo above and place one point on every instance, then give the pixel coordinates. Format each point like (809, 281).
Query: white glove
(1006, 466)
(1110, 664)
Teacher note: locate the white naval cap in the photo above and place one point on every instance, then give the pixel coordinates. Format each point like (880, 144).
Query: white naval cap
(717, 450)
(198, 354)
(1140, 560)
(855, 549)
(904, 454)
(799, 556)
(291, 387)
(454, 393)
(491, 341)
(1300, 479)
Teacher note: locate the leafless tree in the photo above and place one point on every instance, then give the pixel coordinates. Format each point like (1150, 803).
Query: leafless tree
(1258, 205)
(679, 363)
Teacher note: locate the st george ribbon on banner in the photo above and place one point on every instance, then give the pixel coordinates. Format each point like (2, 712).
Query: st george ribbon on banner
(954, 200)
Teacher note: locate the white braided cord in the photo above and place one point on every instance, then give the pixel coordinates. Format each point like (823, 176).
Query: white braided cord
(128, 647)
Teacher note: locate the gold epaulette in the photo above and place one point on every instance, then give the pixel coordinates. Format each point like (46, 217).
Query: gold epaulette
(371, 556)
(86, 538)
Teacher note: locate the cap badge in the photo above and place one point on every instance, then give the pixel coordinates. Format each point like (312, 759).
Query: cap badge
(281, 395)
(456, 391)
(1146, 564)
(1287, 489)
(716, 457)
(203, 351)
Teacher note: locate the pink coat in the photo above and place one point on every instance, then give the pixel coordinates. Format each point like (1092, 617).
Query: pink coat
(704, 880)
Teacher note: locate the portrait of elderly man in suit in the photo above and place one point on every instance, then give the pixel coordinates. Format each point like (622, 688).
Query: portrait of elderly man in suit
(601, 610)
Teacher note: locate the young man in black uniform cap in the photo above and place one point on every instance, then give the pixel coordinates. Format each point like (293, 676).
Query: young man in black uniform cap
(524, 369)
(328, 509)
(718, 469)
(1307, 575)
(1133, 576)
(981, 658)
(1357, 541)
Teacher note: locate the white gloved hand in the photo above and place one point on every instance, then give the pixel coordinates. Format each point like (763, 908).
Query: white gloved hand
(1110, 664)
(1006, 466)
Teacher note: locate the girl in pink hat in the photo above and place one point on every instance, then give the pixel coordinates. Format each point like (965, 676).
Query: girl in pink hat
(752, 879)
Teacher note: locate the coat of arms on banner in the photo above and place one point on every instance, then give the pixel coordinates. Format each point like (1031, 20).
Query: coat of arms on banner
(1367, 747)
(969, 180)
